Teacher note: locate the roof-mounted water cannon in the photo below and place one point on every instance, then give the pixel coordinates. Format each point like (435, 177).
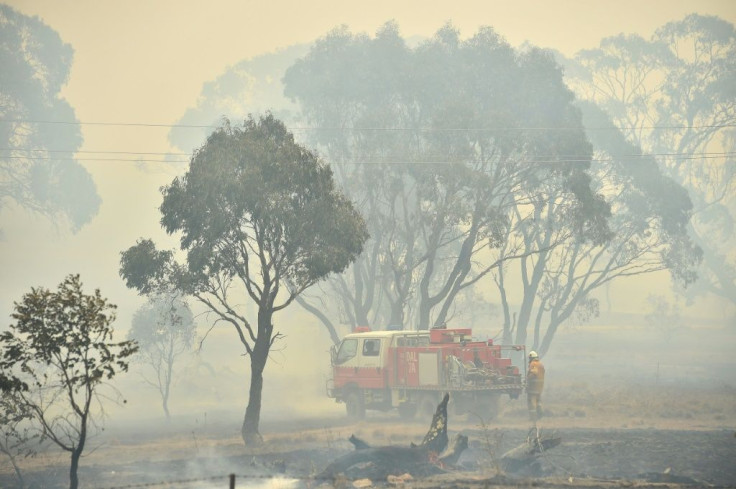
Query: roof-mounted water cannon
(438, 336)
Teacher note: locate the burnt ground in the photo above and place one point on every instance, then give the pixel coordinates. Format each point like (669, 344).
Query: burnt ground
(630, 454)
(587, 457)
(610, 438)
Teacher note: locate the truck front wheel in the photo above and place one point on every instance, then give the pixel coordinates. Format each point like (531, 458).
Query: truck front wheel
(355, 405)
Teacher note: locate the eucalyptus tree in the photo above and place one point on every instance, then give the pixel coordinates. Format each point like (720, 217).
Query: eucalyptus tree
(259, 218)
(38, 133)
(650, 213)
(164, 329)
(326, 83)
(673, 96)
(58, 354)
(437, 145)
(700, 108)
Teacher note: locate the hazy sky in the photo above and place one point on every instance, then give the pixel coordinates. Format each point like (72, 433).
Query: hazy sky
(145, 61)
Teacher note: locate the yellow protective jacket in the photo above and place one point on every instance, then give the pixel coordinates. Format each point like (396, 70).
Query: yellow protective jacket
(535, 377)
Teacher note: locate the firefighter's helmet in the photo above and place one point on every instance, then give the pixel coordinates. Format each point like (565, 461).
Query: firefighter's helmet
(533, 355)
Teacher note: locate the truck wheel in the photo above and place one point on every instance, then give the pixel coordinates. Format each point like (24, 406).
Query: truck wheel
(407, 410)
(355, 405)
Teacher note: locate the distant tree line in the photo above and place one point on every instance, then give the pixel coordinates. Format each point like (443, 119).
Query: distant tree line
(472, 165)
(34, 174)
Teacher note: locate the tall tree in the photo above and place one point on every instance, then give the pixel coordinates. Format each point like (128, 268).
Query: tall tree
(673, 96)
(259, 216)
(37, 130)
(650, 215)
(164, 329)
(61, 348)
(437, 145)
(699, 105)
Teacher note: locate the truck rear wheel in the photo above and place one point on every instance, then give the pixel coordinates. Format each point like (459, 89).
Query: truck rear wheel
(355, 405)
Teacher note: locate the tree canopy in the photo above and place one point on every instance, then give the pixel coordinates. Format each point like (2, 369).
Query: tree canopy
(440, 146)
(36, 171)
(673, 96)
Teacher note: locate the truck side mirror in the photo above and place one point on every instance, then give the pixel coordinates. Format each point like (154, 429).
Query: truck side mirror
(333, 354)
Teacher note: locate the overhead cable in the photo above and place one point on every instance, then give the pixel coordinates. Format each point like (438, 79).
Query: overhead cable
(403, 129)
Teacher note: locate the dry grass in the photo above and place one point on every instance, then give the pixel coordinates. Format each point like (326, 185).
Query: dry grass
(579, 405)
(631, 406)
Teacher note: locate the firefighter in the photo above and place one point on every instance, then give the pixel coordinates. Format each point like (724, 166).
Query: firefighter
(534, 386)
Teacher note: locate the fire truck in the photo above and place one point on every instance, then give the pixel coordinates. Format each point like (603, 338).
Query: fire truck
(411, 370)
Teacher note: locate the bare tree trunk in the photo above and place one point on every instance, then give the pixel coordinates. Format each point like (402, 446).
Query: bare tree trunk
(74, 466)
(77, 451)
(249, 432)
(258, 358)
(538, 324)
(396, 314)
(508, 326)
(167, 377)
(527, 303)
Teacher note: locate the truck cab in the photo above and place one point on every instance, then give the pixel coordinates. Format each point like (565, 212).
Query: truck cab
(359, 352)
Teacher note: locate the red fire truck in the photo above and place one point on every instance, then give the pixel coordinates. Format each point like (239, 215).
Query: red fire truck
(411, 370)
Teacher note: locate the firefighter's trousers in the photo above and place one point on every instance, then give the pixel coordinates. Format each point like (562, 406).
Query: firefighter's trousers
(534, 405)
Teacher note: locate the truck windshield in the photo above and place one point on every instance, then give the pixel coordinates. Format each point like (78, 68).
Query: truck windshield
(348, 349)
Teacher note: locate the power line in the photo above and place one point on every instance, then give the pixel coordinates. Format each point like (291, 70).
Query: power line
(41, 150)
(380, 129)
(131, 160)
(166, 153)
(78, 123)
(429, 161)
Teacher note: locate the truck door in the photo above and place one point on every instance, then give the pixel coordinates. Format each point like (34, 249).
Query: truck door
(371, 363)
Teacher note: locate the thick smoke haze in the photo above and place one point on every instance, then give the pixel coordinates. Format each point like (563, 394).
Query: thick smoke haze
(146, 84)
(156, 80)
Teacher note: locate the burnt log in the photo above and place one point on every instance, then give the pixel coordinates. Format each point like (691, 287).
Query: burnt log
(358, 443)
(449, 458)
(526, 454)
(380, 462)
(436, 438)
(377, 463)
(431, 457)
